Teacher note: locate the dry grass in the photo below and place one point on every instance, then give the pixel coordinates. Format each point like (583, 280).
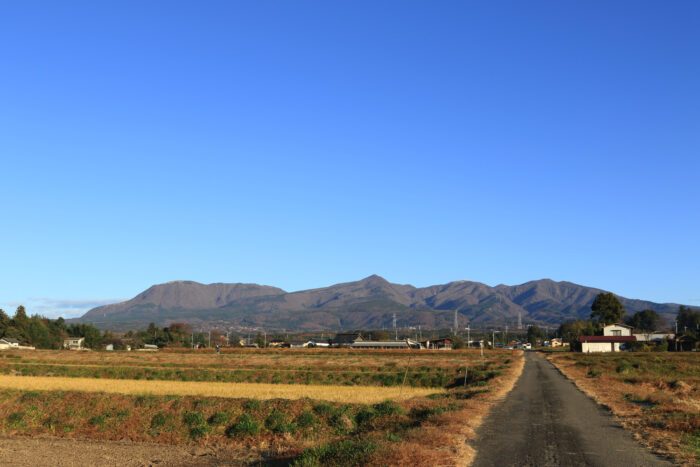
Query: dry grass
(655, 396)
(354, 394)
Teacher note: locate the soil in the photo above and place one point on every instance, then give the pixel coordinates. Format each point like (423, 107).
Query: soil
(47, 451)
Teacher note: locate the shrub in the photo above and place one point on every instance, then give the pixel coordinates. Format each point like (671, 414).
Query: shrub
(159, 420)
(340, 453)
(244, 426)
(365, 418)
(97, 421)
(277, 422)
(594, 372)
(324, 410)
(218, 418)
(274, 420)
(624, 368)
(199, 431)
(193, 418)
(306, 420)
(253, 404)
(15, 418)
(388, 408)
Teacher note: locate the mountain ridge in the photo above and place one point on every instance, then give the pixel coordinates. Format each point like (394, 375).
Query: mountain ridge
(369, 302)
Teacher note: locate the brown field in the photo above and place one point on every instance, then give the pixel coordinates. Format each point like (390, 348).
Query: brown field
(352, 394)
(655, 395)
(417, 409)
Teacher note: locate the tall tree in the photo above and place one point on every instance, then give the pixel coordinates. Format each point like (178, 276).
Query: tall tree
(607, 309)
(688, 320)
(645, 320)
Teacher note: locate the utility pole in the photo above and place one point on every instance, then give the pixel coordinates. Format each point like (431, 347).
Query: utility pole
(676, 336)
(396, 332)
(265, 339)
(469, 336)
(227, 341)
(456, 324)
(209, 344)
(506, 336)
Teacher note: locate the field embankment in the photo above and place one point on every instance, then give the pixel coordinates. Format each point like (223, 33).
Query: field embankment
(656, 396)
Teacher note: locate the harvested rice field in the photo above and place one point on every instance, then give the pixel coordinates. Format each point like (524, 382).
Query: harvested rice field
(287, 407)
(353, 394)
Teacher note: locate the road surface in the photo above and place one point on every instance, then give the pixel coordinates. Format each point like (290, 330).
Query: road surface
(546, 421)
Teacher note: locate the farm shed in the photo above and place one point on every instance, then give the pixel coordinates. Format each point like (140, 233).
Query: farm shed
(437, 344)
(8, 343)
(404, 344)
(346, 338)
(74, 343)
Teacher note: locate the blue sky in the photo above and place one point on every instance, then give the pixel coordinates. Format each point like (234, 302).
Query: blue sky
(300, 144)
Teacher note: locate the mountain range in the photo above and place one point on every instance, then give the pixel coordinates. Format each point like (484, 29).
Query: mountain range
(366, 304)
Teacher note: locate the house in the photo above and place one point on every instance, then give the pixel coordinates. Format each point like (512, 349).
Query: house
(343, 339)
(74, 343)
(614, 337)
(655, 336)
(617, 329)
(148, 348)
(437, 344)
(404, 344)
(8, 343)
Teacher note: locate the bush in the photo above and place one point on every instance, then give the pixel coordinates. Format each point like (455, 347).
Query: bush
(199, 431)
(624, 368)
(306, 420)
(594, 372)
(97, 421)
(365, 418)
(253, 404)
(193, 418)
(277, 422)
(324, 410)
(244, 426)
(218, 418)
(159, 420)
(340, 453)
(388, 408)
(15, 418)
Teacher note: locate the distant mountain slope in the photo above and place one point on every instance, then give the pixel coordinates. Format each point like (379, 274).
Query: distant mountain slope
(368, 303)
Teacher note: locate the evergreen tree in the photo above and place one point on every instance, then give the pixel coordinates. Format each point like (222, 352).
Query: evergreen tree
(607, 309)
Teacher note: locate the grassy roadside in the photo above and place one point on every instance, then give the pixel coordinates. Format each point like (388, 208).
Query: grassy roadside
(656, 396)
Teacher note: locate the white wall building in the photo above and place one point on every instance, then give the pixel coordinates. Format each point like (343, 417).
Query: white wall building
(613, 338)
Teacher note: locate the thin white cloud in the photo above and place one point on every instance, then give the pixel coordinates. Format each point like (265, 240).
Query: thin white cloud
(55, 307)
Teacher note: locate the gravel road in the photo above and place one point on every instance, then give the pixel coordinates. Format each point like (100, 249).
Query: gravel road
(546, 421)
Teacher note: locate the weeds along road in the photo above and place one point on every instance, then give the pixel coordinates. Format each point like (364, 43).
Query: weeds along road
(546, 421)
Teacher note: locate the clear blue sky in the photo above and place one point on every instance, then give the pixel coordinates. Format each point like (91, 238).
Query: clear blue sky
(300, 144)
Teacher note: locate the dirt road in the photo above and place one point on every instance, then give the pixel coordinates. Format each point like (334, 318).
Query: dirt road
(546, 421)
